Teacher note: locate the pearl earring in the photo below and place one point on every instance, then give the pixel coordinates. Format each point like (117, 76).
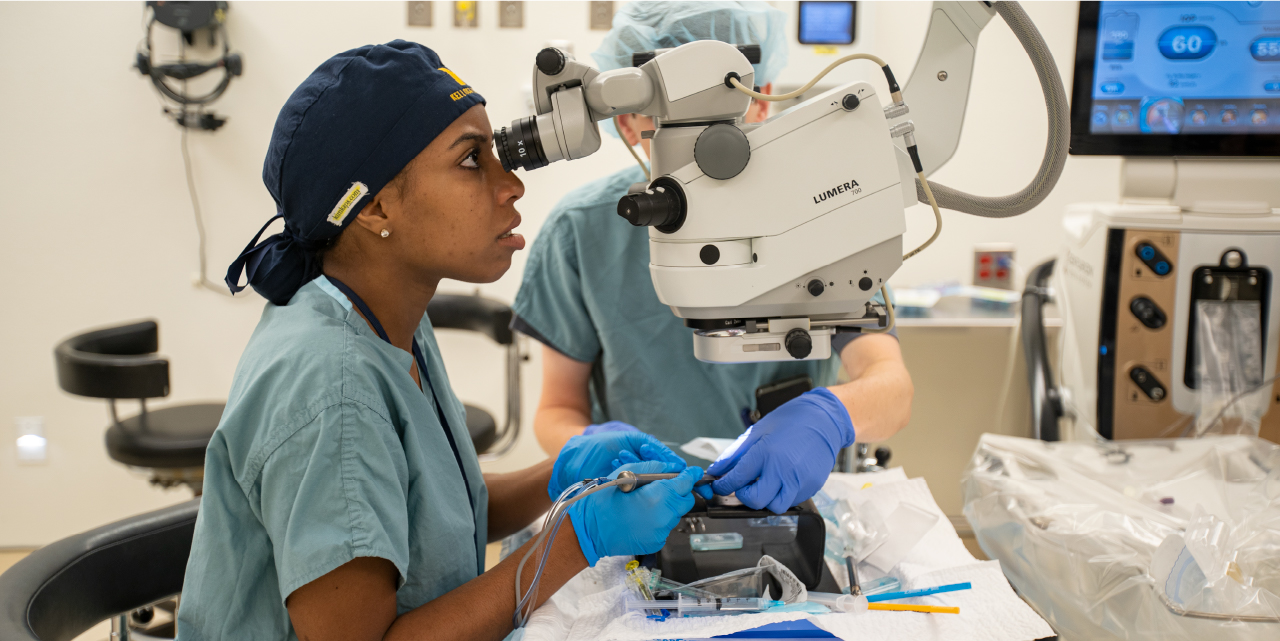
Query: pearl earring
(385, 233)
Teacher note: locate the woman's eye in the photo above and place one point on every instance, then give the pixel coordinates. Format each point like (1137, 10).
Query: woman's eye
(472, 160)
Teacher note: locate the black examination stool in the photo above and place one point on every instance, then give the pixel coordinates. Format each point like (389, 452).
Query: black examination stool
(493, 319)
(127, 571)
(121, 363)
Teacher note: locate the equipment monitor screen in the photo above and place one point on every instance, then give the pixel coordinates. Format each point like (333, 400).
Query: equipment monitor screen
(828, 23)
(1177, 79)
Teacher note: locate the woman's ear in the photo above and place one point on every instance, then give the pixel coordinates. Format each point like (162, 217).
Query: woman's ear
(373, 216)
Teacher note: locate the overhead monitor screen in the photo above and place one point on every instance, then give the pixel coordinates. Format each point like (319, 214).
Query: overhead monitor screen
(827, 23)
(1186, 68)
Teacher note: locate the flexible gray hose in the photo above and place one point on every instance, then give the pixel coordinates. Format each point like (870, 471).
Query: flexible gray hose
(1055, 151)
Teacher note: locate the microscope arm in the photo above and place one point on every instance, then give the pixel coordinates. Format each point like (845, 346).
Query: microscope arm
(938, 89)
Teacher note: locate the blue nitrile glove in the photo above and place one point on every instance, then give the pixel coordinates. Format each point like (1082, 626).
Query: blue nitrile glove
(613, 523)
(589, 457)
(611, 426)
(789, 453)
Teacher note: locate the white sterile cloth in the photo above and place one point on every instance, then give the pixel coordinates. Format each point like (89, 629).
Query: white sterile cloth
(589, 607)
(705, 447)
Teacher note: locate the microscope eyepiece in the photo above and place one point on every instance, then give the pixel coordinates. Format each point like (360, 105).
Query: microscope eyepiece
(661, 205)
(519, 146)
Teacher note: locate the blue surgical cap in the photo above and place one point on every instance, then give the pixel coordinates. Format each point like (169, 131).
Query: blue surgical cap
(345, 133)
(646, 26)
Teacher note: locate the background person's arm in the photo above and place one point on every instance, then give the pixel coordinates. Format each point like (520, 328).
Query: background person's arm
(878, 395)
(564, 410)
(517, 498)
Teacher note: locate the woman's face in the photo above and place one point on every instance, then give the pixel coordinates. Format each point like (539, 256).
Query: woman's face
(451, 212)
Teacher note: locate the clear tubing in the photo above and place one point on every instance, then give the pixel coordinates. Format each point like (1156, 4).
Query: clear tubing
(558, 512)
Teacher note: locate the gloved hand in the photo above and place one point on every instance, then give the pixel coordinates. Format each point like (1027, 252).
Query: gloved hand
(613, 523)
(789, 453)
(593, 456)
(611, 426)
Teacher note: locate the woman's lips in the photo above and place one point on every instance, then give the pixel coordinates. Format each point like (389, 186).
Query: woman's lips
(510, 238)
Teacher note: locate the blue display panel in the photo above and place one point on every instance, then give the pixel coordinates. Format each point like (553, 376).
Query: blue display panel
(827, 23)
(1167, 68)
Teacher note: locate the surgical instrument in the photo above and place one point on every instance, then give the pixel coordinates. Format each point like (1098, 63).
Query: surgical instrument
(628, 481)
(854, 588)
(908, 594)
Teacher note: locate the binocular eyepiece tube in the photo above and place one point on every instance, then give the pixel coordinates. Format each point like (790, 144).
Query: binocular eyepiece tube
(520, 147)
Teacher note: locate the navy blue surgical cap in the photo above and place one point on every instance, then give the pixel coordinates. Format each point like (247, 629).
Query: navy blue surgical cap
(345, 133)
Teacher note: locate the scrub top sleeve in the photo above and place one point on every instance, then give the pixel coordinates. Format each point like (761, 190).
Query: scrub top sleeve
(550, 300)
(333, 491)
(841, 341)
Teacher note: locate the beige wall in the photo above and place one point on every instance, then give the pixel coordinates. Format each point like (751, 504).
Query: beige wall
(964, 388)
(98, 226)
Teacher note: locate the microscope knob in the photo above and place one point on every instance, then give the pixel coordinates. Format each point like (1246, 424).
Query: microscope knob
(661, 206)
(722, 151)
(798, 343)
(815, 287)
(550, 61)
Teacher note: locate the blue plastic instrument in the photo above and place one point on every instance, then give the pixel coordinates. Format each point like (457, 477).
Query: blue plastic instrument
(907, 594)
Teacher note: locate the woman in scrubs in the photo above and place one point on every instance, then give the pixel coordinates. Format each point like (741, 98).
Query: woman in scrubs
(343, 498)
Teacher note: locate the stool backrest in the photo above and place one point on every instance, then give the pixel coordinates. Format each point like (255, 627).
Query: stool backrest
(68, 586)
(472, 313)
(115, 362)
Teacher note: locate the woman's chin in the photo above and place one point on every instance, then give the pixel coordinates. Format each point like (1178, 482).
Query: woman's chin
(488, 272)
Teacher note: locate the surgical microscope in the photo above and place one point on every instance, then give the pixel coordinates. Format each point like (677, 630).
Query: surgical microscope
(769, 238)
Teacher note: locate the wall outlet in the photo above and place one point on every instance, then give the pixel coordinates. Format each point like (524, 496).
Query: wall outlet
(601, 16)
(30, 439)
(511, 14)
(420, 14)
(993, 265)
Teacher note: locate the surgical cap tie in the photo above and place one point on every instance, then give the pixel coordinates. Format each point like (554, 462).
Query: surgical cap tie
(276, 267)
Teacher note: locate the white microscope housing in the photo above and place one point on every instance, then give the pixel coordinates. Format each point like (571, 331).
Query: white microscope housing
(746, 265)
(769, 238)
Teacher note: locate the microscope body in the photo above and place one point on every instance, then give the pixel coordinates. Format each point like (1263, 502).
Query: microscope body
(764, 237)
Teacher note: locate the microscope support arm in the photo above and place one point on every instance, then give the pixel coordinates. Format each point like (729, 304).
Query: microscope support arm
(938, 90)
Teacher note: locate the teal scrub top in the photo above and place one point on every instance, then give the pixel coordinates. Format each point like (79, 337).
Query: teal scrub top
(328, 451)
(587, 294)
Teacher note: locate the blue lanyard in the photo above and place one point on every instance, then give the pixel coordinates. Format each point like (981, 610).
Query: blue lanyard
(426, 378)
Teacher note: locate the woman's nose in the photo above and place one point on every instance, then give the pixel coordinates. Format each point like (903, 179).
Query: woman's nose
(510, 187)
